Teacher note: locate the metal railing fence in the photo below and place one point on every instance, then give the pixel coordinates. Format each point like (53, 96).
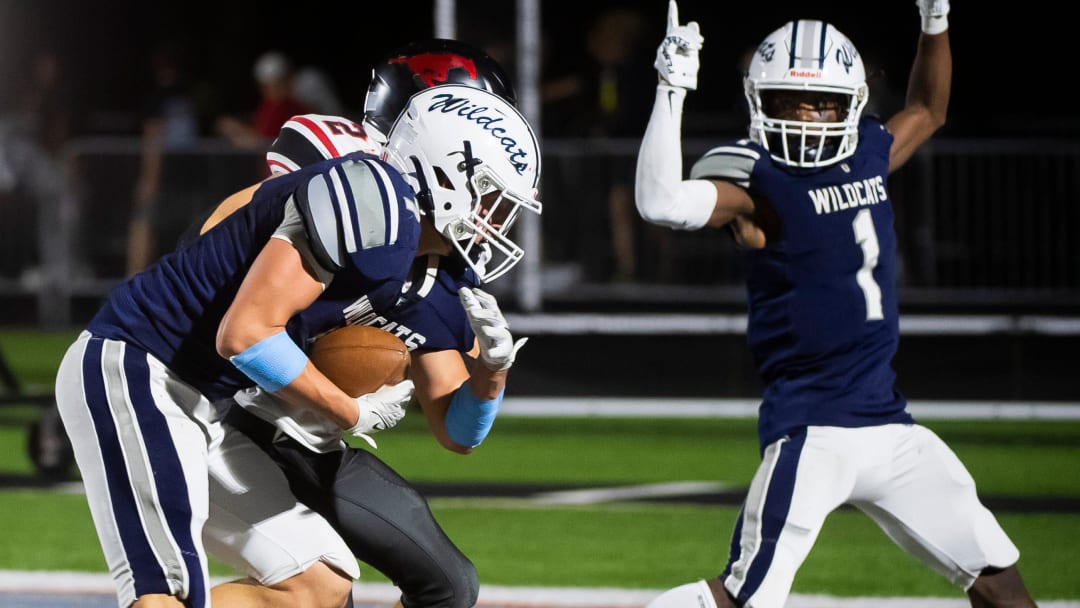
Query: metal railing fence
(978, 221)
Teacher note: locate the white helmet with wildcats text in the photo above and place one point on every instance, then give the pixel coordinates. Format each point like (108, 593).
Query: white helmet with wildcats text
(474, 162)
(806, 69)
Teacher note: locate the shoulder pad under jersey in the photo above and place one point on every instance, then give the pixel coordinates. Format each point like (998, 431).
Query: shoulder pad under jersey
(309, 138)
(731, 163)
(356, 205)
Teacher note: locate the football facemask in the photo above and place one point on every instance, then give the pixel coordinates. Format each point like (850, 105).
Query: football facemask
(813, 60)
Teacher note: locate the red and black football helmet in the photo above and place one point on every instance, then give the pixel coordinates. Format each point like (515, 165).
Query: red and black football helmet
(422, 64)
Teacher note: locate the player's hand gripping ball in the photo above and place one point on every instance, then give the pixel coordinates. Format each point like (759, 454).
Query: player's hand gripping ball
(360, 359)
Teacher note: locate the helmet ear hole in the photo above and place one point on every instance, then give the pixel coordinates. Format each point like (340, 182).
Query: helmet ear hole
(443, 178)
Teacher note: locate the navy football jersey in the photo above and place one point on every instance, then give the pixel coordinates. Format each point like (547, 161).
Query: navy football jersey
(822, 319)
(360, 219)
(426, 314)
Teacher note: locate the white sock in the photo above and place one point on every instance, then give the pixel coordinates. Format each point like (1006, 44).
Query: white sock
(690, 595)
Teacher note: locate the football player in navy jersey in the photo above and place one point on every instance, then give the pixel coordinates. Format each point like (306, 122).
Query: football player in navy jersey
(806, 197)
(381, 517)
(142, 390)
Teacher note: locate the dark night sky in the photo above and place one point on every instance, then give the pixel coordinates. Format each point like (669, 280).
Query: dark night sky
(1005, 67)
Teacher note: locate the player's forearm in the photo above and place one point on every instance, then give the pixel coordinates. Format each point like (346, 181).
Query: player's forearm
(661, 194)
(312, 390)
(278, 366)
(930, 81)
(486, 383)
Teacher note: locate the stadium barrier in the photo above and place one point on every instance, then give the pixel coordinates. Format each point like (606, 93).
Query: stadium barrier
(982, 225)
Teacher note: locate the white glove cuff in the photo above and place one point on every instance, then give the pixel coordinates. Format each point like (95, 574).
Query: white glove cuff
(935, 25)
(503, 363)
(358, 431)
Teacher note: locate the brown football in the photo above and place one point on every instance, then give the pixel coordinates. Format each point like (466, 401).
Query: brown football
(360, 359)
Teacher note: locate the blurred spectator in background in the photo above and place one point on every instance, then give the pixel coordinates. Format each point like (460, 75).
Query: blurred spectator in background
(35, 123)
(607, 98)
(314, 88)
(46, 106)
(176, 113)
(275, 75)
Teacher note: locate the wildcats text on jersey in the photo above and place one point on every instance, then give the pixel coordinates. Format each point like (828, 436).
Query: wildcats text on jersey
(859, 193)
(361, 312)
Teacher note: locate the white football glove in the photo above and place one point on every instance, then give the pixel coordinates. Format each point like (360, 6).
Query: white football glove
(381, 410)
(934, 15)
(497, 346)
(677, 56)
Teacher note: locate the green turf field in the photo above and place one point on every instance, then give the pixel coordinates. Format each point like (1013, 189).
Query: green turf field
(516, 541)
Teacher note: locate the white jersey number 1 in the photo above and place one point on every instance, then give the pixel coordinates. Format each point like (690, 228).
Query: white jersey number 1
(866, 237)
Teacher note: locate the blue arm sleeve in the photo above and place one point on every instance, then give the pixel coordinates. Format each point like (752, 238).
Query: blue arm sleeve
(468, 419)
(271, 362)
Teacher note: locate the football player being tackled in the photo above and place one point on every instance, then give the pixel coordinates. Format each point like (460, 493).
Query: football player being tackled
(806, 199)
(401, 242)
(388, 526)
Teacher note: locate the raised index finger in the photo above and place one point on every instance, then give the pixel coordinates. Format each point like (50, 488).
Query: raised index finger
(672, 15)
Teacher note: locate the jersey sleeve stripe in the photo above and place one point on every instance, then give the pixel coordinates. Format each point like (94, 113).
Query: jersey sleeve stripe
(727, 163)
(345, 207)
(314, 132)
(747, 152)
(391, 200)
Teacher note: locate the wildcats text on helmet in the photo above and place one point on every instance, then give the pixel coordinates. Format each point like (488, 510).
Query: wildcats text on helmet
(447, 103)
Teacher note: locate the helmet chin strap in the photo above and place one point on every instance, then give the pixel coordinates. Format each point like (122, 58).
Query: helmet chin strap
(423, 192)
(484, 256)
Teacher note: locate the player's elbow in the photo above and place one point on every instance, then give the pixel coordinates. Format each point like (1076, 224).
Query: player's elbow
(230, 341)
(938, 119)
(227, 345)
(687, 207)
(454, 446)
(656, 206)
(661, 216)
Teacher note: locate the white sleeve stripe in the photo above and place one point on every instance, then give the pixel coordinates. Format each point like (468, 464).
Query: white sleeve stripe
(391, 199)
(348, 221)
(368, 204)
(370, 208)
(733, 150)
(726, 172)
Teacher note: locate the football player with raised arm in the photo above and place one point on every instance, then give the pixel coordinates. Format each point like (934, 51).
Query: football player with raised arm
(806, 197)
(381, 517)
(141, 391)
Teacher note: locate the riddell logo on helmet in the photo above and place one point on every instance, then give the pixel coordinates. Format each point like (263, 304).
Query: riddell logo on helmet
(804, 73)
(434, 68)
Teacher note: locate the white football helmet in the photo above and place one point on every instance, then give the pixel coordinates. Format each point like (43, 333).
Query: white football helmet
(475, 163)
(811, 62)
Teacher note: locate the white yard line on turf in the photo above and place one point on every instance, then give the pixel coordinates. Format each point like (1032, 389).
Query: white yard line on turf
(14, 581)
(691, 407)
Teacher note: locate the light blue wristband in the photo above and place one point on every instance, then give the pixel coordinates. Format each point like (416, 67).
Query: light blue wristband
(468, 419)
(271, 362)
